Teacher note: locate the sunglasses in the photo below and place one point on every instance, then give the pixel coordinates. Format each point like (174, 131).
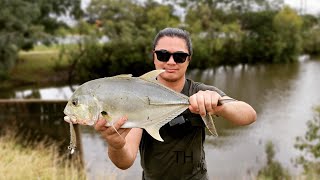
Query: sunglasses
(178, 57)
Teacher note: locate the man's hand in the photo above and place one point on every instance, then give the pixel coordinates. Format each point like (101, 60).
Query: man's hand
(111, 134)
(204, 102)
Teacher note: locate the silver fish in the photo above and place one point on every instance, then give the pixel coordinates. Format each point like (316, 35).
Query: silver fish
(147, 103)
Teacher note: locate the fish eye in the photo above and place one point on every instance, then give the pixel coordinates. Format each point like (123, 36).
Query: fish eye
(104, 113)
(75, 101)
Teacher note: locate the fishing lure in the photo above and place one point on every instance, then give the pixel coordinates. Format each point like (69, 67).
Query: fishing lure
(73, 139)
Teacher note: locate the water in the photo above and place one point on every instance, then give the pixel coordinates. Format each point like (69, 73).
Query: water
(282, 95)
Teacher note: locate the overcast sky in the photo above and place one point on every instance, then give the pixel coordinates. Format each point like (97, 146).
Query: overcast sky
(309, 6)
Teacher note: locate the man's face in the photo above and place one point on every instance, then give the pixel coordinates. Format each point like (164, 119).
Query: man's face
(174, 71)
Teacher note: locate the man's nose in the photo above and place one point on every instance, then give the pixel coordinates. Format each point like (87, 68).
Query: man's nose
(171, 60)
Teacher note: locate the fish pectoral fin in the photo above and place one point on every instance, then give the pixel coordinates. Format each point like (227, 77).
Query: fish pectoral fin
(158, 122)
(151, 75)
(208, 121)
(154, 132)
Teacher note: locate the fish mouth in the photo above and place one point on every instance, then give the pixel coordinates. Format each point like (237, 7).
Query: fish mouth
(72, 119)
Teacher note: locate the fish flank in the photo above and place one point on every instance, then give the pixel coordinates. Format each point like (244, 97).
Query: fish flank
(147, 103)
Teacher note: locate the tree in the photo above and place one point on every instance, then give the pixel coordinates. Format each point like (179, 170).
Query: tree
(257, 42)
(311, 41)
(287, 42)
(216, 33)
(24, 22)
(230, 31)
(130, 27)
(311, 35)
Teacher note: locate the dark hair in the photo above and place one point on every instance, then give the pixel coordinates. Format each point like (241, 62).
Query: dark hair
(174, 32)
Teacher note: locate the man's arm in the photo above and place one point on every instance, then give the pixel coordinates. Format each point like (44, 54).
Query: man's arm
(237, 112)
(122, 150)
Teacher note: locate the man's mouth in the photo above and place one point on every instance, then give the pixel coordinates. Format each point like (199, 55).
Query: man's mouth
(171, 70)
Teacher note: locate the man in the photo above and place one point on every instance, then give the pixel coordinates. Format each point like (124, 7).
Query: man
(181, 155)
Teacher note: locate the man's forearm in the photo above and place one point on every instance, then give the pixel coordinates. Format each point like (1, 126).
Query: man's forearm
(123, 158)
(238, 112)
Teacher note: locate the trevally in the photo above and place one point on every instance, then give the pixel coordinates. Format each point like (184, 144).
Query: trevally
(147, 103)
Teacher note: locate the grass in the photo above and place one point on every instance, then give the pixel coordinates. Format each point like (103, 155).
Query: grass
(55, 47)
(35, 161)
(41, 66)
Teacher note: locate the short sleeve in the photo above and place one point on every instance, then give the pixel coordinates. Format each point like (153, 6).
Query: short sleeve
(197, 86)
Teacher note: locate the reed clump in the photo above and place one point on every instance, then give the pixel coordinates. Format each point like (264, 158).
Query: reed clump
(40, 160)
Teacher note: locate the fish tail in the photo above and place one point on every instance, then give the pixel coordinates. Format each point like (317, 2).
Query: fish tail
(208, 121)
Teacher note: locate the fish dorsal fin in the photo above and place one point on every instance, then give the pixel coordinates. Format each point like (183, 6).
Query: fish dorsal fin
(152, 75)
(123, 76)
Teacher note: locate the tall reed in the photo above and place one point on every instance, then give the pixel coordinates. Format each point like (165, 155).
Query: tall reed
(37, 160)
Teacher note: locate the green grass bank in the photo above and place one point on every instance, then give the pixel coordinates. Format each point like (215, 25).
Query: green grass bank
(42, 66)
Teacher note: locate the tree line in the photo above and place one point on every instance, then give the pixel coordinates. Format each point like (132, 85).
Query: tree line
(224, 32)
(23, 23)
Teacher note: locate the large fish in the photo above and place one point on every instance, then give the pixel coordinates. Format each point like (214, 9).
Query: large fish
(147, 103)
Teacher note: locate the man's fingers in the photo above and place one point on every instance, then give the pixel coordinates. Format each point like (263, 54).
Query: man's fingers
(100, 125)
(204, 102)
(193, 103)
(120, 122)
(201, 104)
(114, 128)
(208, 101)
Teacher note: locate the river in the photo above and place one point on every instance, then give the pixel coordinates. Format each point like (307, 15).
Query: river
(283, 96)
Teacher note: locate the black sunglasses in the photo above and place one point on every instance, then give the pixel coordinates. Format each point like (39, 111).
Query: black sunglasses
(178, 57)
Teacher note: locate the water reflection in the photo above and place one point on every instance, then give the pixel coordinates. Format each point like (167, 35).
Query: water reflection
(248, 83)
(50, 93)
(283, 97)
(282, 94)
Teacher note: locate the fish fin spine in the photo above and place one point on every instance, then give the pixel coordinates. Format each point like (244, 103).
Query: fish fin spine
(123, 76)
(111, 124)
(152, 75)
(208, 121)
